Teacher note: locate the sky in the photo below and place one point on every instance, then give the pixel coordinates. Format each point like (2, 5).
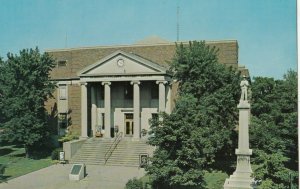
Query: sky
(265, 29)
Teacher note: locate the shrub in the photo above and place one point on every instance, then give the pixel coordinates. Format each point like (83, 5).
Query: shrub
(68, 137)
(134, 184)
(55, 154)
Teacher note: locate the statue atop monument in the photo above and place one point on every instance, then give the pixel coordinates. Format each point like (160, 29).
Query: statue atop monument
(244, 86)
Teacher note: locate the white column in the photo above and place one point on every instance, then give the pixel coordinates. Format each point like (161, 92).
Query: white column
(93, 110)
(84, 133)
(107, 104)
(162, 95)
(169, 98)
(136, 109)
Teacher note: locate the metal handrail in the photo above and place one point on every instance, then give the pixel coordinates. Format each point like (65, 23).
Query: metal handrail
(113, 146)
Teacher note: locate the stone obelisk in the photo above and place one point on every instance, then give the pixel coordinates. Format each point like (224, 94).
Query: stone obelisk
(241, 178)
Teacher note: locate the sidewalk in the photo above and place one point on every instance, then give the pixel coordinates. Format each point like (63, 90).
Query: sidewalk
(57, 177)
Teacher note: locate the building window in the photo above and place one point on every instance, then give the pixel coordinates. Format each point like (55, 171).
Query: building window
(62, 92)
(62, 63)
(128, 91)
(154, 91)
(62, 120)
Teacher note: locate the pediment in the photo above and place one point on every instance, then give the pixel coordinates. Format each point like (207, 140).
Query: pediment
(122, 63)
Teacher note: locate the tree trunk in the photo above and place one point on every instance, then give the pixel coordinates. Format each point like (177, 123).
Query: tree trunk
(26, 151)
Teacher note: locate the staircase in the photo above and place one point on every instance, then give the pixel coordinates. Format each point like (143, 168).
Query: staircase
(125, 153)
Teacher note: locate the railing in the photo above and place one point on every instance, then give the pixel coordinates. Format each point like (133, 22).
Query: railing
(112, 147)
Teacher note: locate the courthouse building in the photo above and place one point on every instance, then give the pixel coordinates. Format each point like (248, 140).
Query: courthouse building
(109, 89)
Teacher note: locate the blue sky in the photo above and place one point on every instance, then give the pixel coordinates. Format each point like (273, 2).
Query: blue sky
(265, 29)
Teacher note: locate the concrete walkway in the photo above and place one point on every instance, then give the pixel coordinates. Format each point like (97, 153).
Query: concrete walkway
(57, 177)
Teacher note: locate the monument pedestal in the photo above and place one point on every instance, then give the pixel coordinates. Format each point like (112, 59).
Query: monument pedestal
(241, 178)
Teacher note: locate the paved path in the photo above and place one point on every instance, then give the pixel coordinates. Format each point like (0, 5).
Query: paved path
(57, 177)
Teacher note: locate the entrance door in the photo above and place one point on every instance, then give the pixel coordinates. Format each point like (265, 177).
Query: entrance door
(128, 124)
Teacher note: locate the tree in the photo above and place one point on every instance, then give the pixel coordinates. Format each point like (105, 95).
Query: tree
(1, 93)
(201, 126)
(134, 184)
(24, 86)
(273, 130)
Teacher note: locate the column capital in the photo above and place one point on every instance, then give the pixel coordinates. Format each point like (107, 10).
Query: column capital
(83, 83)
(106, 83)
(161, 82)
(172, 82)
(135, 82)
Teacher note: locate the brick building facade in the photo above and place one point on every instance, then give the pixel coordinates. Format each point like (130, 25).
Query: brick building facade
(109, 88)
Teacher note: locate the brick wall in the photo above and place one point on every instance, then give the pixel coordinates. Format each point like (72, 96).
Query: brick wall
(74, 93)
(78, 59)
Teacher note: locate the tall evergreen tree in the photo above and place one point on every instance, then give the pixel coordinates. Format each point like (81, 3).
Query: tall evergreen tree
(24, 86)
(202, 124)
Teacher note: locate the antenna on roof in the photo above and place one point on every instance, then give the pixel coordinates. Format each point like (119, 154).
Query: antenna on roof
(66, 40)
(177, 22)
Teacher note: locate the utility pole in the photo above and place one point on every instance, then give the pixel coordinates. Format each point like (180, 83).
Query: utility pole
(177, 22)
(66, 40)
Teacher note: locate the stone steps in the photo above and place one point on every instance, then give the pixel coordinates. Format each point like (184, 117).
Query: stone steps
(126, 153)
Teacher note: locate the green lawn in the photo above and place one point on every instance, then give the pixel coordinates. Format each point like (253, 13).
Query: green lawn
(13, 162)
(215, 179)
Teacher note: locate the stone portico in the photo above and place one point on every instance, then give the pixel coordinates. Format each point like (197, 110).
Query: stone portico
(116, 84)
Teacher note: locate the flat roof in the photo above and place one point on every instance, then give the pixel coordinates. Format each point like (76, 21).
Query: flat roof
(137, 45)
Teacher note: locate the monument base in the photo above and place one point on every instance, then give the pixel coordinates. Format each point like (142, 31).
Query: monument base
(241, 178)
(238, 183)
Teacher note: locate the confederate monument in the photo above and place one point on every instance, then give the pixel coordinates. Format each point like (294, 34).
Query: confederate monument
(241, 178)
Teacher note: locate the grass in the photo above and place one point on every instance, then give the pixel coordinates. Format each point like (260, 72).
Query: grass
(215, 179)
(14, 164)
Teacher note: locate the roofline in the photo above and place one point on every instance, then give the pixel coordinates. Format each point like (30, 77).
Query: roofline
(137, 45)
(128, 55)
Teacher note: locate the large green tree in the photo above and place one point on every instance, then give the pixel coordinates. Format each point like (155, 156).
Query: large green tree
(24, 87)
(202, 124)
(273, 130)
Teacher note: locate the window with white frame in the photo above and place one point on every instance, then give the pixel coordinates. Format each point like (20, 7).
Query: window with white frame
(62, 92)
